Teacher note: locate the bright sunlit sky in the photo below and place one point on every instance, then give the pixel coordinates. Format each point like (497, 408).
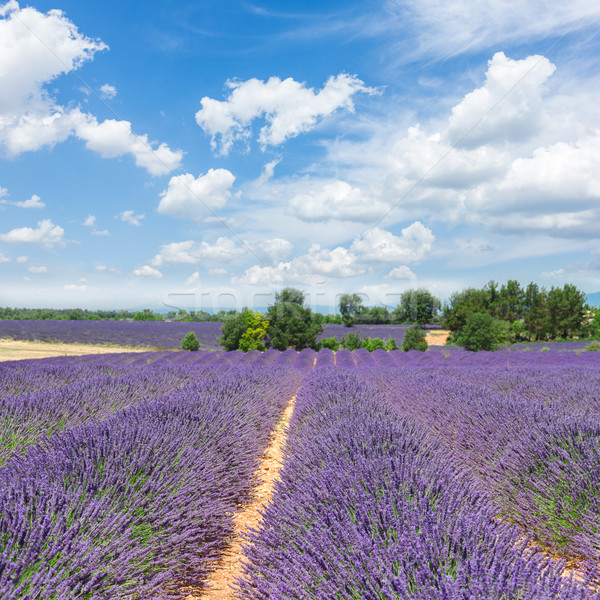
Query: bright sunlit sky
(204, 154)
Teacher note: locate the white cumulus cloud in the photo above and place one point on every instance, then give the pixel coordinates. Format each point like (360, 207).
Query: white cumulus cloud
(506, 107)
(37, 48)
(288, 107)
(148, 271)
(47, 234)
(335, 200)
(130, 217)
(108, 91)
(4, 259)
(379, 245)
(190, 252)
(33, 202)
(37, 270)
(402, 272)
(190, 197)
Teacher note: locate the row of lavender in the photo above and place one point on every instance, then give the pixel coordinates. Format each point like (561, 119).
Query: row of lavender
(122, 472)
(370, 506)
(531, 436)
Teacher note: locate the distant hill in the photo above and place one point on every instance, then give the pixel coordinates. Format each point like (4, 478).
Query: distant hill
(593, 299)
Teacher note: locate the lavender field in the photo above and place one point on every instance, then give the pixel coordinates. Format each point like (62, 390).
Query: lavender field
(168, 335)
(444, 474)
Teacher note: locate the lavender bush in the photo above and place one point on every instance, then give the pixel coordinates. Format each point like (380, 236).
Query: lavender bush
(369, 507)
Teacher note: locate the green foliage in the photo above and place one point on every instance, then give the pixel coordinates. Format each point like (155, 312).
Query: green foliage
(351, 306)
(234, 328)
(541, 314)
(414, 339)
(147, 315)
(190, 342)
(418, 307)
(292, 325)
(353, 342)
(252, 338)
(482, 332)
(290, 295)
(593, 347)
(332, 343)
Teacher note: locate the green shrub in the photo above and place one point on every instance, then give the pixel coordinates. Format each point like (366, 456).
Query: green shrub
(190, 342)
(332, 343)
(593, 347)
(482, 332)
(351, 341)
(414, 339)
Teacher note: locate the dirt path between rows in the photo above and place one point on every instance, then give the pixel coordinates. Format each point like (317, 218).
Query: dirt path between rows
(22, 349)
(219, 585)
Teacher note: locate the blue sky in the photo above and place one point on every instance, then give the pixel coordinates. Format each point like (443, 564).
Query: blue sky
(207, 154)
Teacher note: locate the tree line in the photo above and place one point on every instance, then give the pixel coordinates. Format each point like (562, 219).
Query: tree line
(530, 313)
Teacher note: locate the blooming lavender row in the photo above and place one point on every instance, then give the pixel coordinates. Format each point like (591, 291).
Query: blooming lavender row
(531, 436)
(140, 504)
(29, 418)
(370, 507)
(158, 334)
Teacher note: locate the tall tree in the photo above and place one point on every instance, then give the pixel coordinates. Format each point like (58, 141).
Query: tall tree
(351, 306)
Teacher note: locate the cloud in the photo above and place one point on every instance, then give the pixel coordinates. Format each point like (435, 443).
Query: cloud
(506, 107)
(402, 272)
(3, 259)
(188, 197)
(105, 269)
(21, 259)
(147, 271)
(274, 249)
(335, 200)
(102, 232)
(37, 270)
(30, 118)
(113, 138)
(108, 91)
(316, 263)
(288, 107)
(72, 287)
(378, 245)
(90, 221)
(129, 217)
(47, 234)
(190, 252)
(444, 29)
(193, 278)
(33, 202)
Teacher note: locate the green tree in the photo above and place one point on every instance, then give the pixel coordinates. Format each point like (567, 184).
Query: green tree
(566, 311)
(234, 327)
(292, 325)
(190, 342)
(461, 305)
(291, 295)
(534, 311)
(482, 332)
(351, 305)
(418, 307)
(252, 338)
(414, 339)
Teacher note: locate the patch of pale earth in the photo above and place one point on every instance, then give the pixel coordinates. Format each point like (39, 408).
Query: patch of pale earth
(22, 349)
(437, 338)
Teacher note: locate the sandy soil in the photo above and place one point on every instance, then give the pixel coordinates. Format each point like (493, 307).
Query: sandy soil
(437, 337)
(20, 349)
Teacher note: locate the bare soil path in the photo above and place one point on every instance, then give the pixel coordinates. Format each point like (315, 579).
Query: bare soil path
(220, 584)
(21, 349)
(437, 337)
